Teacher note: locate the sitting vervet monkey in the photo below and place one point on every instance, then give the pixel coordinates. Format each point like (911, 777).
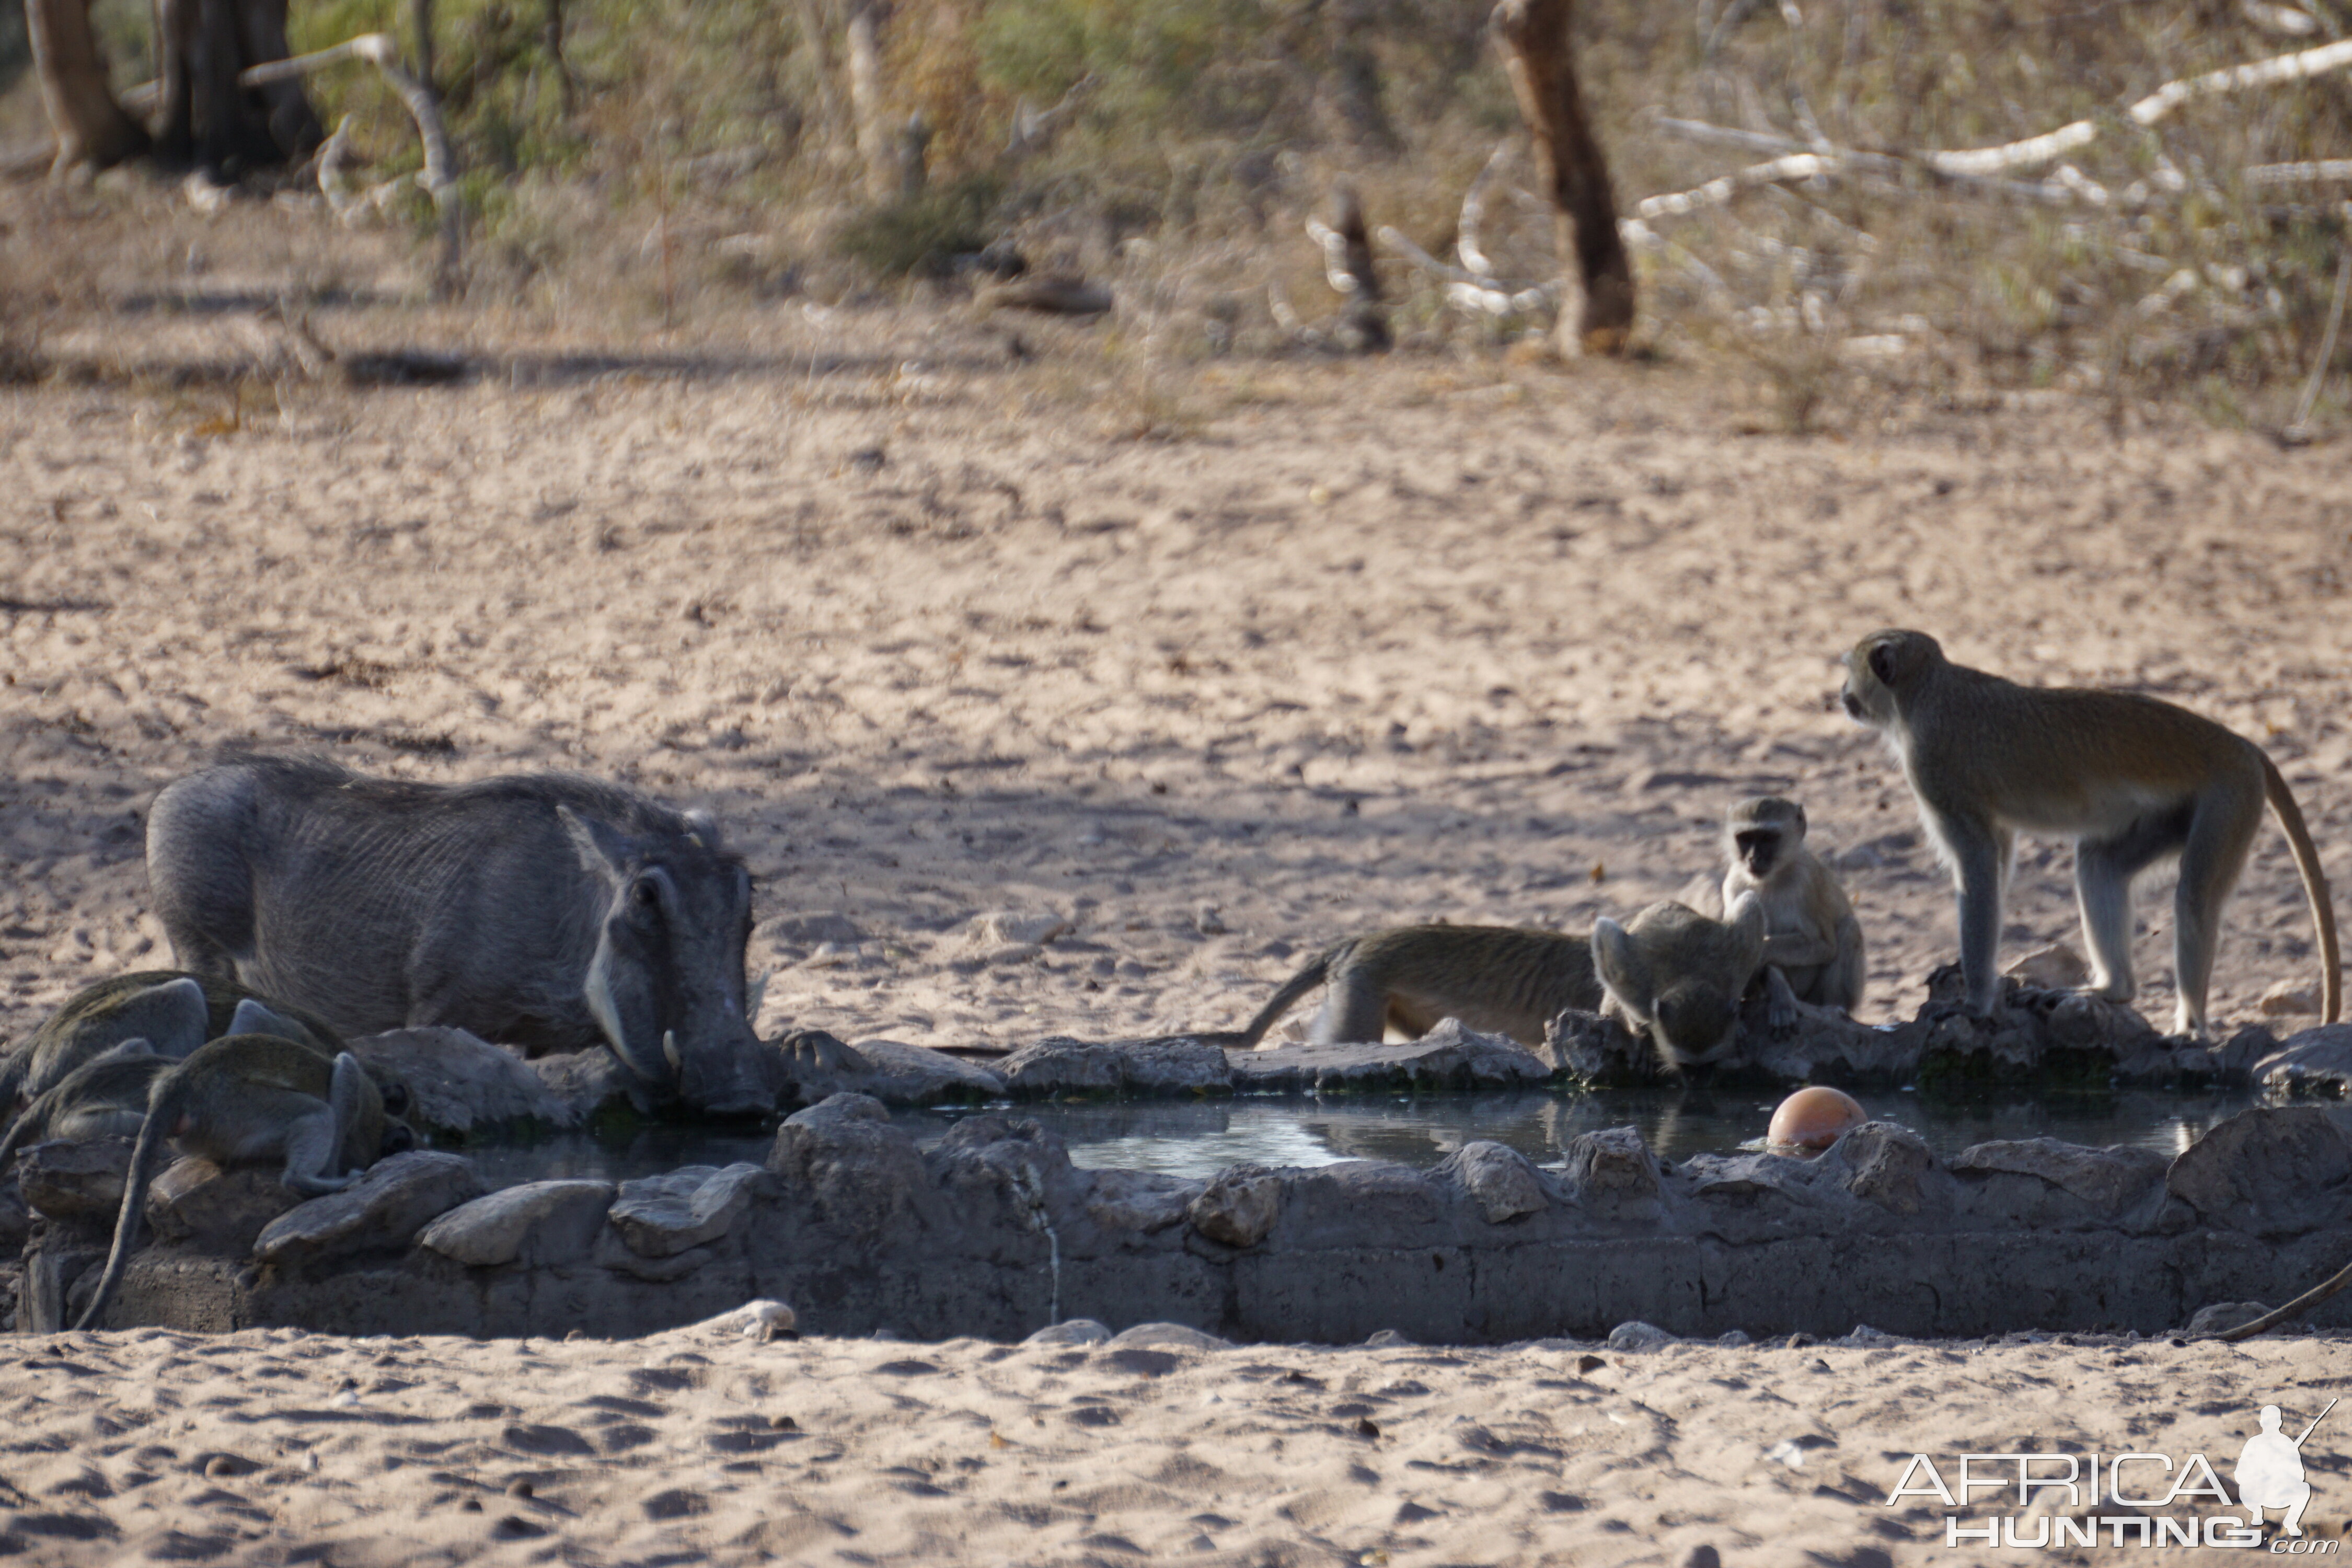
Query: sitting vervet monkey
(1509, 980)
(1810, 937)
(1676, 977)
(2128, 778)
(246, 1100)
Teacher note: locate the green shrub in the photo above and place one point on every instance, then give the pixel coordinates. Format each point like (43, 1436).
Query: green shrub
(916, 234)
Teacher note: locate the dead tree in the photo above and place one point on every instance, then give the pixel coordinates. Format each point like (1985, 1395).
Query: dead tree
(91, 129)
(1348, 267)
(876, 151)
(202, 114)
(1536, 51)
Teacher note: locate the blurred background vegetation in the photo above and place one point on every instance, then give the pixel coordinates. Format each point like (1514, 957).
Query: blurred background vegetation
(676, 152)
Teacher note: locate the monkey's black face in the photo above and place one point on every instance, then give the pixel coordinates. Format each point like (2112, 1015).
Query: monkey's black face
(1852, 704)
(1760, 850)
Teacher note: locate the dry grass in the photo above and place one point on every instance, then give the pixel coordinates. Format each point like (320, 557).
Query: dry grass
(700, 164)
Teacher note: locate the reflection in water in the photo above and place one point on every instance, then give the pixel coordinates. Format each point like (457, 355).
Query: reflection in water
(1198, 1138)
(646, 1152)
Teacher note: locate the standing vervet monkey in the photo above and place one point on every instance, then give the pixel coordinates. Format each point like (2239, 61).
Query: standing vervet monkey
(1810, 936)
(2129, 779)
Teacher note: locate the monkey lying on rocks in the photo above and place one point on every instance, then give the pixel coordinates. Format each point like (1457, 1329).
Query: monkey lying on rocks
(2131, 780)
(246, 1100)
(103, 1098)
(1673, 975)
(173, 1012)
(1812, 943)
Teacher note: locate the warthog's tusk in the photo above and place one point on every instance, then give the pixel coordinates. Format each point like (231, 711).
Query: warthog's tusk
(669, 1049)
(757, 994)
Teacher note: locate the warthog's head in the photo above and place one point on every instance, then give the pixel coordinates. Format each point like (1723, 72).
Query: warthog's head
(667, 982)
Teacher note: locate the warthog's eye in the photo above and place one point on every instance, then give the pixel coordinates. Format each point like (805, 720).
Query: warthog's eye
(645, 895)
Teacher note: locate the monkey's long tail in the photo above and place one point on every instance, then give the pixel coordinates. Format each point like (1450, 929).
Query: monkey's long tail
(2315, 886)
(1297, 985)
(2292, 1310)
(30, 1122)
(162, 1110)
(12, 1072)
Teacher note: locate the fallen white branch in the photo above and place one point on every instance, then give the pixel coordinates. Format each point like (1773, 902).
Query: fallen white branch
(1333, 245)
(1477, 294)
(2320, 172)
(2052, 191)
(1722, 190)
(2055, 144)
(1468, 241)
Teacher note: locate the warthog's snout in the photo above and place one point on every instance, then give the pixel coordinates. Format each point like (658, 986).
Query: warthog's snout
(731, 1073)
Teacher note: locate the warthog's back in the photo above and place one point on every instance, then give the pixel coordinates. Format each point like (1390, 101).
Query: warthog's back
(380, 903)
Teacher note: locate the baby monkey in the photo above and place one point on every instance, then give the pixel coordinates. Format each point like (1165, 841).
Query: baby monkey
(1812, 940)
(246, 1100)
(1673, 974)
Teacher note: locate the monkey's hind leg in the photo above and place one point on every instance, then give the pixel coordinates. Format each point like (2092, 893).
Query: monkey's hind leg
(2104, 869)
(2220, 837)
(1779, 1003)
(1980, 856)
(316, 1143)
(1357, 1011)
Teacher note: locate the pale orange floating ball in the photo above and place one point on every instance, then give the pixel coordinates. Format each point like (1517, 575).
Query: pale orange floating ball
(1815, 1118)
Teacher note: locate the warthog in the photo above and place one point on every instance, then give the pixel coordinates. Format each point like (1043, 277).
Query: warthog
(546, 910)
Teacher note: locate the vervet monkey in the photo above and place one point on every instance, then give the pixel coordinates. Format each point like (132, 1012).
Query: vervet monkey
(2128, 778)
(107, 1096)
(1510, 980)
(1676, 977)
(245, 1099)
(174, 1013)
(1810, 936)
(104, 1098)
(1501, 980)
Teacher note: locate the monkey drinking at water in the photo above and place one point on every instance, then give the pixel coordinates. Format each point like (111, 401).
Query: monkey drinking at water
(247, 1100)
(2131, 780)
(1674, 976)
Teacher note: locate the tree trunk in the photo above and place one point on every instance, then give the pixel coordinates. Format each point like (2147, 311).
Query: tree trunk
(91, 129)
(875, 147)
(420, 23)
(204, 116)
(1542, 60)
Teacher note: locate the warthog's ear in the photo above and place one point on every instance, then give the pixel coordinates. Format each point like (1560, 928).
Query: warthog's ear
(588, 843)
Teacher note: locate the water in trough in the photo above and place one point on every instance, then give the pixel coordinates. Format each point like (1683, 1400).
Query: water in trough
(1199, 1137)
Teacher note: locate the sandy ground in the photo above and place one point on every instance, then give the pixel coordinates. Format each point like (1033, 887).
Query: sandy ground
(936, 634)
(697, 1447)
(1217, 664)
